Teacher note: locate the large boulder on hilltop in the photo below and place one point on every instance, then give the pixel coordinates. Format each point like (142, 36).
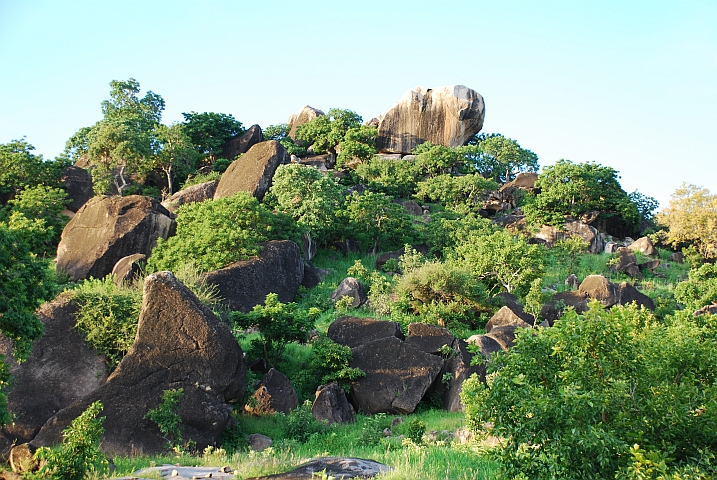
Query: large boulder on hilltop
(242, 143)
(191, 194)
(253, 171)
(78, 185)
(447, 116)
(107, 229)
(60, 370)
(306, 114)
(179, 343)
(397, 376)
(278, 269)
(354, 331)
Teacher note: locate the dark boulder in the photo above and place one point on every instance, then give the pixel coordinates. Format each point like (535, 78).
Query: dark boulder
(60, 370)
(459, 368)
(397, 376)
(651, 265)
(332, 406)
(429, 338)
(510, 315)
(275, 394)
(353, 331)
(192, 194)
(259, 442)
(677, 257)
(180, 343)
(128, 268)
(312, 275)
(78, 185)
(253, 171)
(487, 346)
(242, 143)
(350, 287)
(278, 269)
(706, 310)
(107, 229)
(382, 259)
(574, 298)
(504, 335)
(572, 281)
(630, 294)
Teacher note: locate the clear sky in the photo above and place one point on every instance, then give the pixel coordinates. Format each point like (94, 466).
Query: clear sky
(629, 84)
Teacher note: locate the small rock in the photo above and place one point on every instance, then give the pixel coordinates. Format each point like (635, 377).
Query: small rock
(387, 432)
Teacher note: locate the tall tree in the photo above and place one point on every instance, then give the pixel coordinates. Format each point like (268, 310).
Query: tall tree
(691, 216)
(499, 157)
(209, 131)
(175, 150)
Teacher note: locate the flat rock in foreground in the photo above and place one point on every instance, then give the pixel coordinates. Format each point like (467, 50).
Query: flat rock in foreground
(180, 343)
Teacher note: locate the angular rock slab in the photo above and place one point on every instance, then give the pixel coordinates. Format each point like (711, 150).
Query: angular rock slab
(429, 338)
(61, 370)
(275, 394)
(278, 269)
(354, 331)
(242, 143)
(460, 369)
(253, 171)
(107, 229)
(397, 376)
(337, 467)
(296, 120)
(332, 406)
(180, 343)
(78, 185)
(350, 287)
(195, 193)
(447, 116)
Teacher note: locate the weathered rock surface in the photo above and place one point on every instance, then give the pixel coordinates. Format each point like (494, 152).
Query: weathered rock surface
(630, 294)
(627, 263)
(601, 289)
(78, 185)
(60, 370)
(336, 467)
(397, 376)
(195, 193)
(643, 245)
(253, 171)
(354, 331)
(127, 268)
(242, 143)
(459, 367)
(278, 269)
(332, 406)
(510, 316)
(429, 338)
(350, 287)
(107, 229)
(306, 114)
(595, 240)
(506, 198)
(275, 394)
(180, 343)
(486, 345)
(504, 335)
(447, 116)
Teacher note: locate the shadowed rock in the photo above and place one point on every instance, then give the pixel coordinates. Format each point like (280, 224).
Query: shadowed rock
(192, 194)
(275, 394)
(331, 405)
(242, 143)
(354, 331)
(335, 467)
(429, 338)
(180, 343)
(78, 185)
(350, 287)
(128, 268)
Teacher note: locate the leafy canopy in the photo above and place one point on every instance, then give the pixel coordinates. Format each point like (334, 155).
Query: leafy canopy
(209, 131)
(500, 158)
(691, 217)
(376, 221)
(215, 233)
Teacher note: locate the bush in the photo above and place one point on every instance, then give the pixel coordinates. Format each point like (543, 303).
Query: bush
(461, 194)
(200, 178)
(330, 362)
(43, 203)
(391, 177)
(376, 221)
(166, 417)
(79, 454)
(301, 424)
(570, 400)
(215, 233)
(107, 316)
(700, 289)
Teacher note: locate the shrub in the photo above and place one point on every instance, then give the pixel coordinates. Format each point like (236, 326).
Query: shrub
(201, 178)
(278, 323)
(376, 221)
(700, 288)
(569, 401)
(43, 203)
(330, 362)
(301, 424)
(391, 177)
(215, 233)
(79, 454)
(415, 431)
(460, 194)
(167, 418)
(107, 316)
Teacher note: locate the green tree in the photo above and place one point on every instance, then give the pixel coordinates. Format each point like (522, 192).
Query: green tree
(280, 133)
(460, 194)
(700, 289)
(43, 203)
(215, 233)
(502, 262)
(124, 141)
(310, 197)
(20, 169)
(358, 143)
(175, 152)
(391, 177)
(278, 324)
(376, 221)
(646, 206)
(691, 217)
(567, 188)
(209, 132)
(432, 160)
(325, 132)
(500, 158)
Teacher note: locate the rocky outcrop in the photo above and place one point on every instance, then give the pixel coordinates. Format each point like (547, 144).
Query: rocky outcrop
(354, 331)
(597, 287)
(253, 171)
(508, 196)
(447, 116)
(458, 367)
(242, 143)
(350, 287)
(626, 263)
(275, 394)
(195, 193)
(643, 245)
(60, 370)
(601, 289)
(630, 294)
(306, 114)
(180, 343)
(107, 229)
(594, 239)
(78, 185)
(332, 406)
(397, 376)
(510, 315)
(278, 269)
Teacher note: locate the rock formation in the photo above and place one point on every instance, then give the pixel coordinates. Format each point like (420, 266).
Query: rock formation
(253, 171)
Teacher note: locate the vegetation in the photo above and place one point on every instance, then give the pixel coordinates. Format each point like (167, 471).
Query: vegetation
(166, 417)
(691, 219)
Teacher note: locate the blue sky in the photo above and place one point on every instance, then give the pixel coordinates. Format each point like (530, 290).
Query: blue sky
(629, 84)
